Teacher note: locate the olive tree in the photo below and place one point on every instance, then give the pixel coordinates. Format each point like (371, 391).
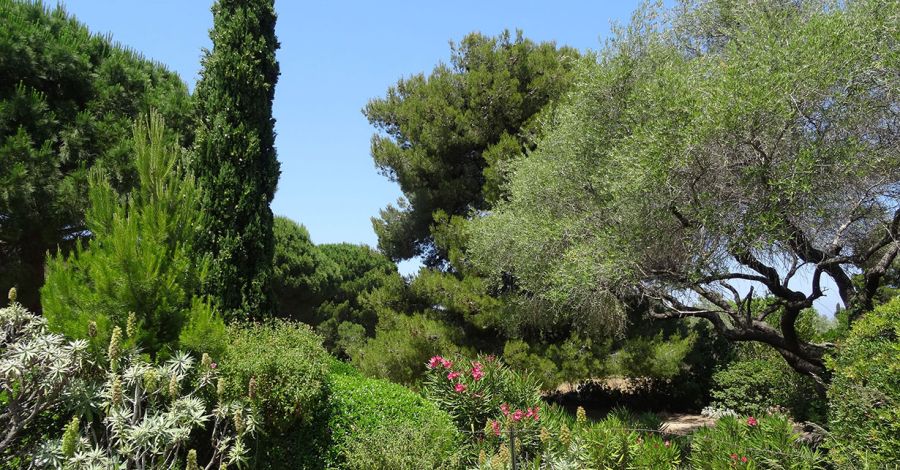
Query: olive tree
(712, 155)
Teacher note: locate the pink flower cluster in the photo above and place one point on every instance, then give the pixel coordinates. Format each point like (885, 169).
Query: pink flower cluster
(438, 361)
(495, 426)
(517, 415)
(477, 372)
(751, 421)
(744, 459)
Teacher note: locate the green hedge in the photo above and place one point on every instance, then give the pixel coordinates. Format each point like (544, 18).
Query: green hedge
(375, 424)
(864, 416)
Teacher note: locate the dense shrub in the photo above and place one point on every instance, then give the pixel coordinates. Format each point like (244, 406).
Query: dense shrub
(758, 379)
(864, 413)
(285, 361)
(375, 424)
(283, 368)
(401, 345)
(763, 442)
(755, 386)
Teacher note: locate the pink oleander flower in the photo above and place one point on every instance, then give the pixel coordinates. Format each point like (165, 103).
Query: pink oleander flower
(213, 365)
(751, 421)
(452, 375)
(491, 358)
(495, 426)
(517, 415)
(477, 374)
(435, 361)
(446, 363)
(733, 456)
(460, 387)
(744, 459)
(505, 409)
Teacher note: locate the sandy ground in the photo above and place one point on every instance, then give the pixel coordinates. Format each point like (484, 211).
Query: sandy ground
(683, 423)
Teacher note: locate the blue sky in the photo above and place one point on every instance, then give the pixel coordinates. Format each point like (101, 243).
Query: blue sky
(334, 57)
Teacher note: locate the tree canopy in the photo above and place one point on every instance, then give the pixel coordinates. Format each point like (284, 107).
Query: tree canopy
(443, 138)
(68, 99)
(711, 147)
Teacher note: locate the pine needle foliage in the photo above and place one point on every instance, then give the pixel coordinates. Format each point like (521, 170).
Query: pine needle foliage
(141, 257)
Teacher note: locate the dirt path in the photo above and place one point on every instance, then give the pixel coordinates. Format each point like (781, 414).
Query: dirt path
(683, 423)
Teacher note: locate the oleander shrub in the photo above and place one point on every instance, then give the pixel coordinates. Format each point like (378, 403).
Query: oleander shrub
(864, 412)
(375, 424)
(486, 399)
(752, 442)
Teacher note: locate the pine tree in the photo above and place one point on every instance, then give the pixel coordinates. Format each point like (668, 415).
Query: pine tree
(235, 158)
(140, 272)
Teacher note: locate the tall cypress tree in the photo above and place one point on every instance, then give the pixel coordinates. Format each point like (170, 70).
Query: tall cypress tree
(235, 158)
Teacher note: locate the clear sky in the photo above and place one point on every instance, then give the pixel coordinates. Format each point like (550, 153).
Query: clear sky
(335, 56)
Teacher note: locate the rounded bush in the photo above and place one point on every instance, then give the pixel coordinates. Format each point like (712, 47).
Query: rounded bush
(287, 366)
(756, 385)
(864, 416)
(376, 424)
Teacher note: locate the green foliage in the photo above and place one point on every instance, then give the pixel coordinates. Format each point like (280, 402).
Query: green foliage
(701, 137)
(621, 440)
(400, 346)
(864, 411)
(612, 443)
(235, 158)
(360, 280)
(302, 273)
(756, 385)
(572, 360)
(379, 425)
(445, 137)
(758, 379)
(68, 99)
(204, 331)
(762, 442)
(476, 391)
(141, 258)
(288, 365)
